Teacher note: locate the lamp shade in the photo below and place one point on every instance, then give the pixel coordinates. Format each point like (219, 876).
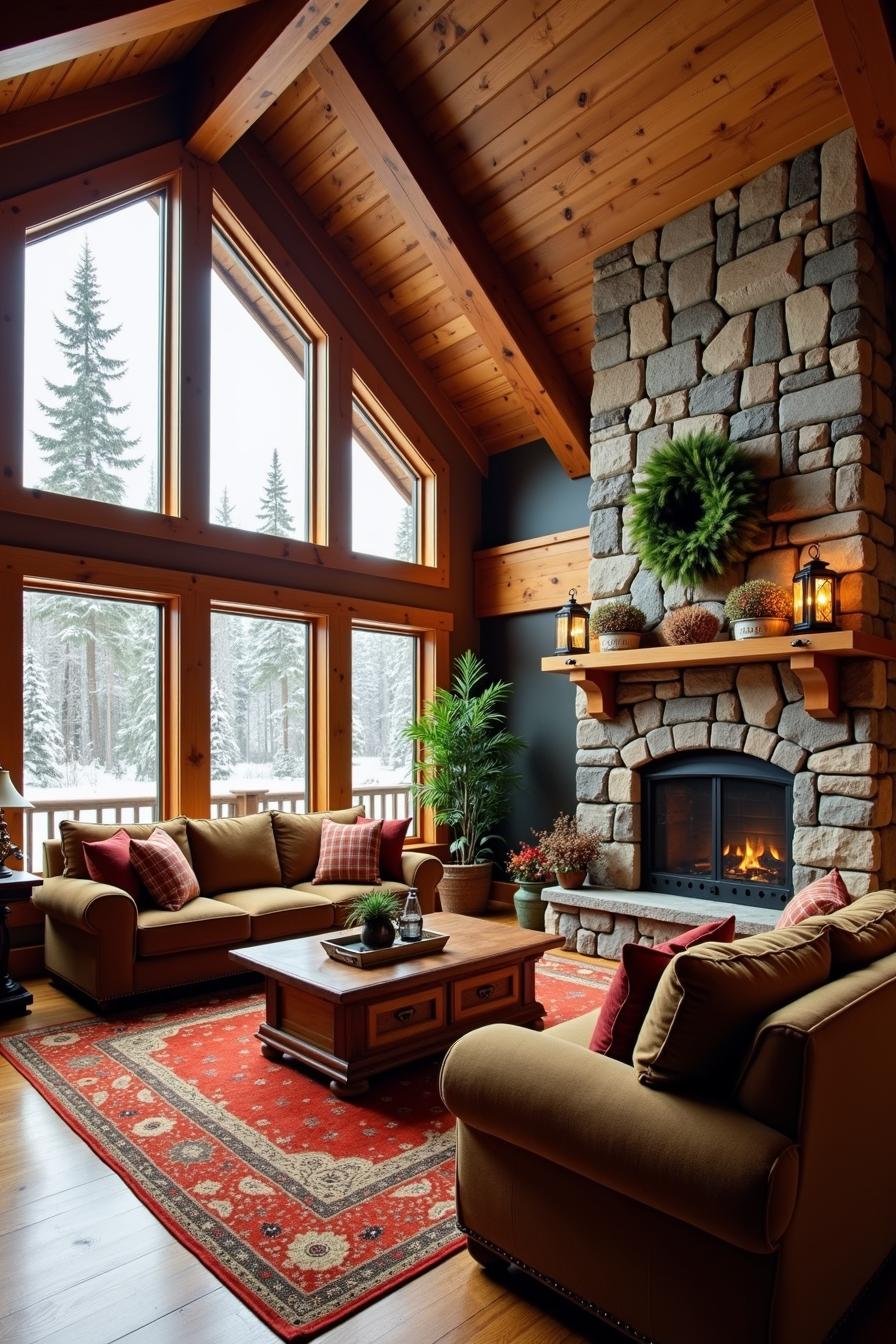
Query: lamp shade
(9, 794)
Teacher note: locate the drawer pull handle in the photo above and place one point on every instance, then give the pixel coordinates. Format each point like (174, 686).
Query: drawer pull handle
(485, 991)
(404, 1014)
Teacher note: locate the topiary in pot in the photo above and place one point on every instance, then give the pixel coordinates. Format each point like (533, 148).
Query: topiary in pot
(690, 625)
(759, 608)
(618, 625)
(465, 773)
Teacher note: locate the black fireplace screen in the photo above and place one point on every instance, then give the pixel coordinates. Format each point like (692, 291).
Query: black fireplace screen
(719, 825)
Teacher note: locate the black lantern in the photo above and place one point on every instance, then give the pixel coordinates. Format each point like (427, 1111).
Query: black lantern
(571, 626)
(814, 595)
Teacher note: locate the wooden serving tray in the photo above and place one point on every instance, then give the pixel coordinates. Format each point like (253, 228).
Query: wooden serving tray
(348, 948)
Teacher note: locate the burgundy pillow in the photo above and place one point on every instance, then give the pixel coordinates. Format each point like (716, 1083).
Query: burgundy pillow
(349, 853)
(822, 897)
(164, 871)
(391, 845)
(634, 984)
(110, 861)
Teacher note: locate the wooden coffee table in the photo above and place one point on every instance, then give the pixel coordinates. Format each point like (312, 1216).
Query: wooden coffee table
(350, 1024)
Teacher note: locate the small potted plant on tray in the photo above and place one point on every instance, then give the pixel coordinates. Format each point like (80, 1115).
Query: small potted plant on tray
(618, 625)
(568, 851)
(377, 912)
(759, 609)
(529, 869)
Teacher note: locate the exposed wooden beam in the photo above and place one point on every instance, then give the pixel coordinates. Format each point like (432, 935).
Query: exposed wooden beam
(860, 35)
(105, 100)
(408, 168)
(246, 60)
(319, 248)
(44, 32)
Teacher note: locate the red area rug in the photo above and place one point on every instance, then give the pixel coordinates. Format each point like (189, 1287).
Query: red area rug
(305, 1206)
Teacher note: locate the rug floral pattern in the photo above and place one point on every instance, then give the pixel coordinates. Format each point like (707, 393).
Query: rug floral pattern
(305, 1205)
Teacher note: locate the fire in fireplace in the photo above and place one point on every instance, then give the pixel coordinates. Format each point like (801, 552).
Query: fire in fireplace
(718, 825)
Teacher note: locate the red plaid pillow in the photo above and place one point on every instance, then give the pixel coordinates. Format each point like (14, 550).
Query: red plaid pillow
(163, 870)
(823, 897)
(349, 853)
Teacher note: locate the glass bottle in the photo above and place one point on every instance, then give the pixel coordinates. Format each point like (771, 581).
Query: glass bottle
(410, 925)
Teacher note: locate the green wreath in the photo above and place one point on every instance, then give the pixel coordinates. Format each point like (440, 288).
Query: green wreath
(696, 510)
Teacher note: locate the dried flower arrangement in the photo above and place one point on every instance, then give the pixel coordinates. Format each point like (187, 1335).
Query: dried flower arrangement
(566, 848)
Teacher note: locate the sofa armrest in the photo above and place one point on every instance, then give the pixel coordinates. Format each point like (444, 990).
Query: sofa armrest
(708, 1165)
(423, 871)
(94, 907)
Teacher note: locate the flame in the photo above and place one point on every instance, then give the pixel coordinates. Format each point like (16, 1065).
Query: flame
(751, 854)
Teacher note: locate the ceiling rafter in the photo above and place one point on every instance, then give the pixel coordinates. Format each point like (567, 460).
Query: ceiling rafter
(45, 32)
(246, 60)
(860, 36)
(406, 166)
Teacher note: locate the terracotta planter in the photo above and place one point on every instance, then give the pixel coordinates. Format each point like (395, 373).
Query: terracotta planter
(529, 905)
(759, 627)
(615, 642)
(574, 879)
(465, 887)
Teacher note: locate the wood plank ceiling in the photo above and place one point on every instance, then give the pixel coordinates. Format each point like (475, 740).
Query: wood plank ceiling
(561, 127)
(566, 127)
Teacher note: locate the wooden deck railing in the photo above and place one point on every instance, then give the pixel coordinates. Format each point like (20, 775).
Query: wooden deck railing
(42, 822)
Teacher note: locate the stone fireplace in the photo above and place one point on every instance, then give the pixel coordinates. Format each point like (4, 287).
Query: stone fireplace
(763, 314)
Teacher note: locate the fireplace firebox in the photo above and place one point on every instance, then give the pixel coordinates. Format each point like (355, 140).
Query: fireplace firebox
(719, 825)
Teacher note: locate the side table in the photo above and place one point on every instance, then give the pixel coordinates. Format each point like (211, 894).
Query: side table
(14, 998)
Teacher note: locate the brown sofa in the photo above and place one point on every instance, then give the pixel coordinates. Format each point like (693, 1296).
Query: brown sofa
(255, 877)
(755, 1218)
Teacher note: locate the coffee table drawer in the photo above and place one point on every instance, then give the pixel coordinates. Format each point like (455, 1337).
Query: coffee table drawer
(394, 1020)
(479, 994)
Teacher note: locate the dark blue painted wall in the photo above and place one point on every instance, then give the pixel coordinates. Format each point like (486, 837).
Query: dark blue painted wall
(528, 494)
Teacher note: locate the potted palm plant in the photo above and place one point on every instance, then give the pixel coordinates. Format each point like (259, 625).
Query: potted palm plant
(465, 773)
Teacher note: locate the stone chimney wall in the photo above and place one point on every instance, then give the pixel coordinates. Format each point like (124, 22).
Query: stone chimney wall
(763, 315)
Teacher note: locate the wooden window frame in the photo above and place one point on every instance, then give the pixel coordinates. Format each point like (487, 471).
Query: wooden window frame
(199, 194)
(41, 213)
(189, 600)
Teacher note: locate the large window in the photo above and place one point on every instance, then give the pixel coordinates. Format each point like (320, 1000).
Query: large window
(259, 711)
(92, 710)
(385, 493)
(384, 701)
(93, 390)
(260, 404)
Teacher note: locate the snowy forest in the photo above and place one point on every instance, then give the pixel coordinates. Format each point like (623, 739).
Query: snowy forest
(92, 664)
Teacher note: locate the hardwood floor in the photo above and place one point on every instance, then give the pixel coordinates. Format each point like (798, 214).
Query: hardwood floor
(82, 1261)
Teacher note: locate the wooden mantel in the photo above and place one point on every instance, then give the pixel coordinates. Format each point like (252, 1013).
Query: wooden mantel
(812, 658)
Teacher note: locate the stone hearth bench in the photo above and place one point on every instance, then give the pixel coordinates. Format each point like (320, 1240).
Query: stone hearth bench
(597, 921)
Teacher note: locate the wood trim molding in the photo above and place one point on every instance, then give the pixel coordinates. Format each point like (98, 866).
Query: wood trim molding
(532, 575)
(860, 37)
(246, 61)
(48, 32)
(404, 163)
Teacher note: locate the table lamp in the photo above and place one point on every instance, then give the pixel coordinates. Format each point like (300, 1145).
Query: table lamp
(9, 797)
